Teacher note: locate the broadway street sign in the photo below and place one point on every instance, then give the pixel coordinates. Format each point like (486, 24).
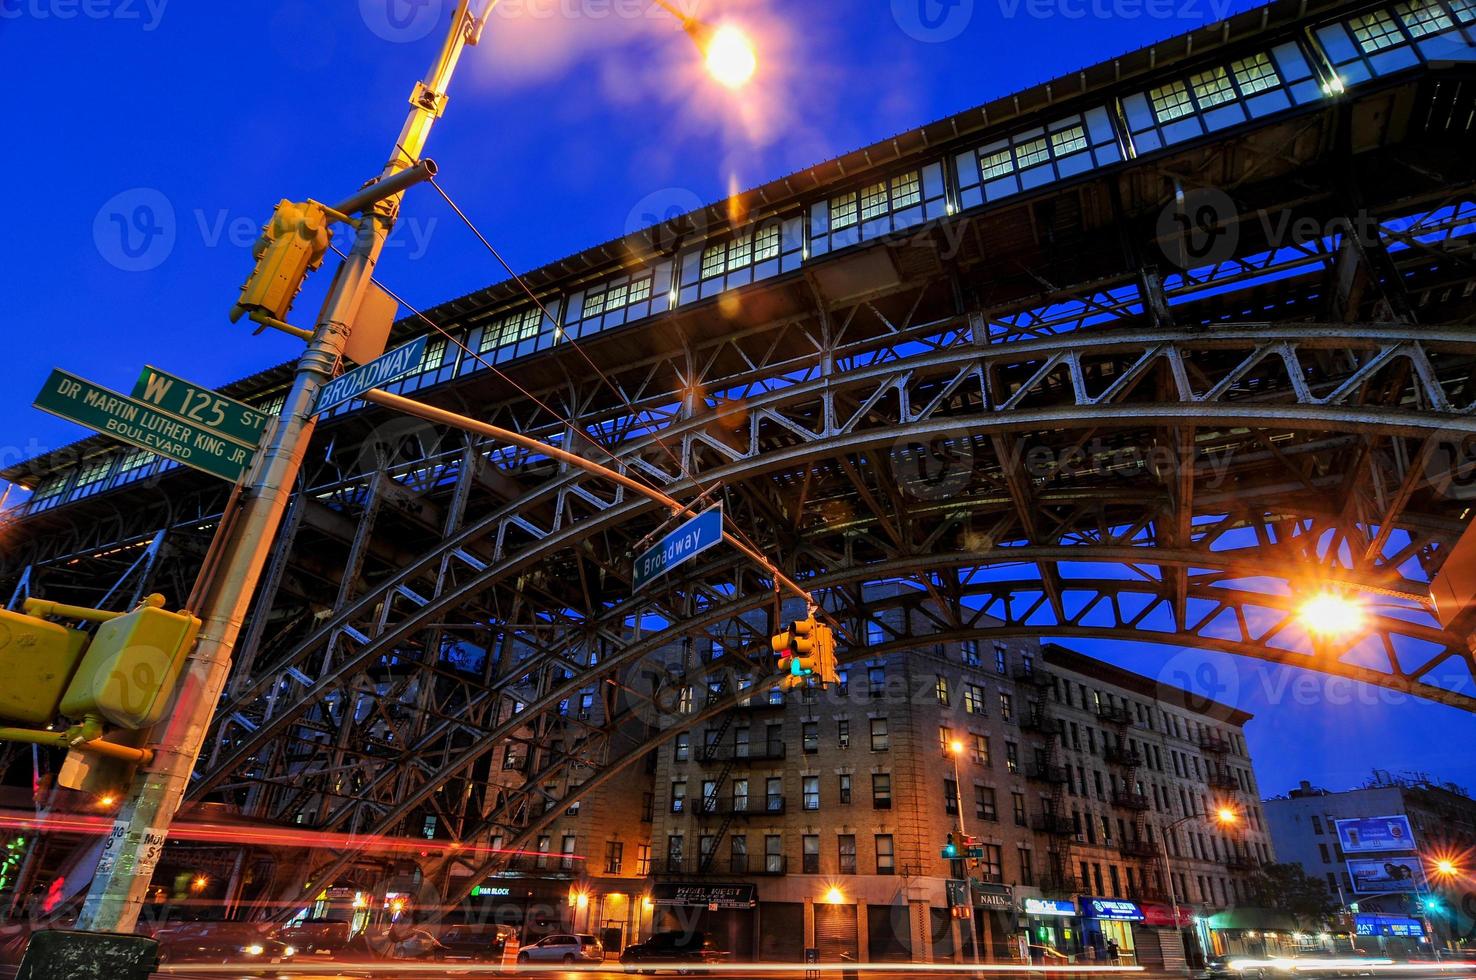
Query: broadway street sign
(382, 370)
(142, 425)
(679, 545)
(223, 416)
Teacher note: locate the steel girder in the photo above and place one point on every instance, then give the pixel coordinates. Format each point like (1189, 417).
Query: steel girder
(367, 722)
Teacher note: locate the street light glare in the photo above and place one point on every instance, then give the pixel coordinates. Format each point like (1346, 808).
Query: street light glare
(1225, 815)
(730, 57)
(956, 747)
(1445, 866)
(1331, 614)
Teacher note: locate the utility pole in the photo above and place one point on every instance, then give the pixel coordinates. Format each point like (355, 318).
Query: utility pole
(248, 528)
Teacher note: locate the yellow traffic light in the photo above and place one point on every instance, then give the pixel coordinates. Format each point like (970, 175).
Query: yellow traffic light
(131, 665)
(806, 649)
(291, 245)
(37, 660)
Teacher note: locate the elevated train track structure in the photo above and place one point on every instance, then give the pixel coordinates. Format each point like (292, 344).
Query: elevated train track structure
(1147, 353)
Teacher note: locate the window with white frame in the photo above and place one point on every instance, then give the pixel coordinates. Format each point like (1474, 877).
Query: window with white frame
(876, 200)
(1170, 102)
(617, 296)
(1255, 74)
(1070, 140)
(1376, 31)
(744, 250)
(511, 328)
(1212, 88)
(1421, 17)
(843, 211)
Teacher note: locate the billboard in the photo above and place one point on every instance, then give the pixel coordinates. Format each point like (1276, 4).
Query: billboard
(1381, 875)
(1362, 835)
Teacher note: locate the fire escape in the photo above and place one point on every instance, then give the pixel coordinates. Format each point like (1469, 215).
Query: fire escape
(1045, 767)
(1125, 758)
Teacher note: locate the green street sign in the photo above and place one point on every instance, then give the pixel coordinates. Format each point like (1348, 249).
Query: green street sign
(223, 416)
(141, 425)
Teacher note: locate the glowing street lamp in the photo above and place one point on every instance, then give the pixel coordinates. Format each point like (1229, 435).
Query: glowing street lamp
(726, 50)
(1331, 614)
(1226, 815)
(834, 896)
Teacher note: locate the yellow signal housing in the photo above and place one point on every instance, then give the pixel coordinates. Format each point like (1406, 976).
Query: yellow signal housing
(37, 660)
(131, 666)
(825, 663)
(291, 245)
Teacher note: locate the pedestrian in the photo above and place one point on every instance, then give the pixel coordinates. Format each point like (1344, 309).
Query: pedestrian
(1113, 953)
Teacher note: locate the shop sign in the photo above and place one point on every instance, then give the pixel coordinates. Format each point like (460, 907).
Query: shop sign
(710, 896)
(1369, 924)
(1159, 914)
(1111, 908)
(1048, 906)
(988, 895)
(1382, 875)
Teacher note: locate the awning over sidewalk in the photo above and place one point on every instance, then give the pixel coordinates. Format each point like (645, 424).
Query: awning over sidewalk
(1262, 920)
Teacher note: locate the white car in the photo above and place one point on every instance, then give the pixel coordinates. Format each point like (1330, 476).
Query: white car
(563, 947)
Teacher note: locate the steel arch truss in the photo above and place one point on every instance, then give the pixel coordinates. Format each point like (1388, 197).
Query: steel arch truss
(1175, 486)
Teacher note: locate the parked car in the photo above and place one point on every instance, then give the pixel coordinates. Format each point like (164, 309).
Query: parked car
(672, 950)
(564, 947)
(238, 943)
(318, 938)
(477, 943)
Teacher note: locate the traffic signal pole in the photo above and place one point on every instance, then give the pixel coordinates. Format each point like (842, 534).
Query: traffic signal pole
(247, 532)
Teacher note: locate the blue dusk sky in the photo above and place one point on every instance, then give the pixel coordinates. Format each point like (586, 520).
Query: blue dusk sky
(150, 139)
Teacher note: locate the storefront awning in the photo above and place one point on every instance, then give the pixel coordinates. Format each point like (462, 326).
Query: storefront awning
(1246, 917)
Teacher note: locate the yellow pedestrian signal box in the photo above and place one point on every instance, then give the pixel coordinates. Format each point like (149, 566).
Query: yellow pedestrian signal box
(37, 660)
(129, 670)
(291, 245)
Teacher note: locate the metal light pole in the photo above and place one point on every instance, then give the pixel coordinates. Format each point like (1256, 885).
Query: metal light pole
(955, 749)
(1224, 817)
(248, 530)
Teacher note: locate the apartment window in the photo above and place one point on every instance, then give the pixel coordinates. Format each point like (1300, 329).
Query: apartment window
(980, 750)
(682, 748)
(843, 682)
(846, 851)
(886, 855)
(678, 796)
(1012, 757)
(810, 790)
(1006, 706)
(738, 853)
(705, 845)
(674, 852)
(1376, 31)
(940, 690)
(774, 854)
(950, 796)
(810, 736)
(845, 787)
(945, 740)
(774, 794)
(709, 795)
(1027, 863)
(968, 652)
(810, 854)
(740, 795)
(1017, 804)
(991, 867)
(566, 853)
(614, 856)
(999, 659)
(1255, 74)
(1316, 825)
(643, 860)
(984, 803)
(881, 791)
(648, 806)
(973, 699)
(876, 681)
(843, 733)
(1322, 852)
(880, 741)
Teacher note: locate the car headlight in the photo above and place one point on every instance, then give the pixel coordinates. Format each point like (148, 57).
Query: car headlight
(289, 950)
(255, 949)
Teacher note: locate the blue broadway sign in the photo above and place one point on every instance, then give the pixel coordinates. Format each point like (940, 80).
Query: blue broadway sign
(679, 545)
(382, 370)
